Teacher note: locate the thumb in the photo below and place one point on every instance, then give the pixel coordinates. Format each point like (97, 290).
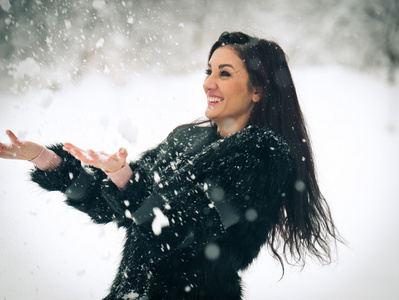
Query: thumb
(122, 153)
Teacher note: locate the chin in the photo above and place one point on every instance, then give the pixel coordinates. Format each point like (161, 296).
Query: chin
(211, 113)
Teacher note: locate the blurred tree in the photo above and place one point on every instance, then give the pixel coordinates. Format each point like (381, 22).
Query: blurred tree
(382, 21)
(46, 43)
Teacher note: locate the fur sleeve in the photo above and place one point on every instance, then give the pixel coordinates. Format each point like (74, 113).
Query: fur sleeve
(60, 178)
(94, 199)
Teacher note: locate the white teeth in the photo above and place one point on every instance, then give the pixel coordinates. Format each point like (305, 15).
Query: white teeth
(214, 99)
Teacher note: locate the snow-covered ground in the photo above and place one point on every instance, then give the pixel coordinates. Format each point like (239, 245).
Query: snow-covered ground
(50, 251)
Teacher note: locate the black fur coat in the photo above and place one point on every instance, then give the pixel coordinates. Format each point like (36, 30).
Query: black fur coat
(196, 211)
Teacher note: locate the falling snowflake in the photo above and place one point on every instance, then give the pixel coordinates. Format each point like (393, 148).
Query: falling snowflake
(159, 221)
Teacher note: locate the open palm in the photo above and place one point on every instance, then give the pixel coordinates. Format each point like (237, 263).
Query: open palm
(101, 160)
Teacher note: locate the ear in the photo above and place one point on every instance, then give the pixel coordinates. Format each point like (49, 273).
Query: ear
(256, 95)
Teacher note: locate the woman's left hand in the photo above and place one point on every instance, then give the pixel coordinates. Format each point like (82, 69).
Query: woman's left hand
(100, 160)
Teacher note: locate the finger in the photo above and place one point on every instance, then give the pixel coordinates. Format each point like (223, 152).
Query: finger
(91, 155)
(99, 156)
(122, 153)
(6, 148)
(13, 137)
(84, 156)
(69, 147)
(6, 151)
(3, 147)
(74, 151)
(78, 154)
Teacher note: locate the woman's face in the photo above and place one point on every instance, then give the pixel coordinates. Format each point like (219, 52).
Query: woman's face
(230, 100)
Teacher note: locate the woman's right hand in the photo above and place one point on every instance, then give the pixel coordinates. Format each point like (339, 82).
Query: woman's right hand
(18, 149)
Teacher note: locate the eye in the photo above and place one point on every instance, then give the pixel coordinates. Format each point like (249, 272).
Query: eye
(208, 72)
(225, 74)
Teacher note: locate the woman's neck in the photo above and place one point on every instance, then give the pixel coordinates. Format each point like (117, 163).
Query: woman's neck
(229, 126)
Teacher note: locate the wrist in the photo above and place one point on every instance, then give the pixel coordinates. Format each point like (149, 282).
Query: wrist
(121, 177)
(38, 150)
(115, 169)
(46, 160)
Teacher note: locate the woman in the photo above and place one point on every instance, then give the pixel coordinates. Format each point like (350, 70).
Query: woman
(198, 208)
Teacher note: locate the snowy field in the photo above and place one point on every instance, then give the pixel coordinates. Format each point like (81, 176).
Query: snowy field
(50, 251)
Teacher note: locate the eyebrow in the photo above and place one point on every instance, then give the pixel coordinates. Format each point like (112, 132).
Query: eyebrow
(223, 65)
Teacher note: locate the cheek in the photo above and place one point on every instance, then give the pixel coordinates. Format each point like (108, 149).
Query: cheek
(241, 95)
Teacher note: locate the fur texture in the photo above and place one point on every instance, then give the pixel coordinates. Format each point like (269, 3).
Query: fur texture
(195, 256)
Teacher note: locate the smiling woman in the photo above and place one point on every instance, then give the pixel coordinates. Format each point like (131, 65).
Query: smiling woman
(198, 207)
(230, 98)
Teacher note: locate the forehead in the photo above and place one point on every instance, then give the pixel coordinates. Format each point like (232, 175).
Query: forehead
(226, 55)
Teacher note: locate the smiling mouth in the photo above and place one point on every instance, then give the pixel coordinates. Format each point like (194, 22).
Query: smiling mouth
(214, 100)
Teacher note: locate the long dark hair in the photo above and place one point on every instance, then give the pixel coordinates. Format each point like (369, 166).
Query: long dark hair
(305, 223)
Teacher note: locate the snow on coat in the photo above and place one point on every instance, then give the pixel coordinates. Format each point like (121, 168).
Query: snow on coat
(197, 210)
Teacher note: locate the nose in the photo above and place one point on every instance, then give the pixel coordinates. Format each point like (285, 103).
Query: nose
(209, 84)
